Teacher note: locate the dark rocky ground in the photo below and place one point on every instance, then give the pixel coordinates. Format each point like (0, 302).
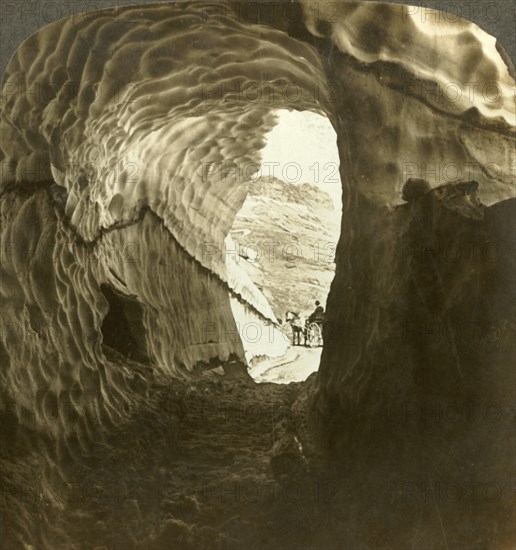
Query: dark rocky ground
(221, 462)
(214, 463)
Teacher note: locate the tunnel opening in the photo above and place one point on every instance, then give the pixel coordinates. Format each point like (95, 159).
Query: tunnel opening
(123, 329)
(285, 236)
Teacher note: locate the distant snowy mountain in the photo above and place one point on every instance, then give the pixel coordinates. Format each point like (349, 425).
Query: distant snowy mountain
(285, 236)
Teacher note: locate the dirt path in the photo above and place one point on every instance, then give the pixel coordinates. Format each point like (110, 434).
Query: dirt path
(225, 453)
(213, 464)
(300, 365)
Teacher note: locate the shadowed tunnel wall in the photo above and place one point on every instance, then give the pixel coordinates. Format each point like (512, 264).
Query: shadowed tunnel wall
(127, 137)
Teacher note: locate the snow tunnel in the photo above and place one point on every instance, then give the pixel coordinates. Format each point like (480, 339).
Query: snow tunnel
(127, 137)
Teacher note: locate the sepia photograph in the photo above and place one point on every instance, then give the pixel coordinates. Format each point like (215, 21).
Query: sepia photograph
(258, 275)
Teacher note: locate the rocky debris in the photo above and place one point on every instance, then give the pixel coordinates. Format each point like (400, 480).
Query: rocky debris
(287, 460)
(174, 534)
(181, 505)
(210, 463)
(305, 194)
(236, 369)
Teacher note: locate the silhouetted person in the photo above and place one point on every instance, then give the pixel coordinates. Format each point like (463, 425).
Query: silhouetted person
(318, 315)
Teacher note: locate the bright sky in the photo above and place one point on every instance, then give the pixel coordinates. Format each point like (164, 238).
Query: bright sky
(302, 148)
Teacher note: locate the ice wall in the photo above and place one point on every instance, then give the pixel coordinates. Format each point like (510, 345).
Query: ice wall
(144, 122)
